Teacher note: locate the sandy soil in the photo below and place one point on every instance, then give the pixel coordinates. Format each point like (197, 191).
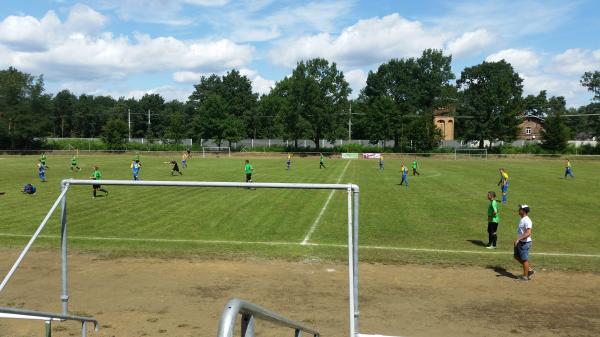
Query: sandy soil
(185, 297)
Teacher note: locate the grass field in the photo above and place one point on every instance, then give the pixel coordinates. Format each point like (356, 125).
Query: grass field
(439, 219)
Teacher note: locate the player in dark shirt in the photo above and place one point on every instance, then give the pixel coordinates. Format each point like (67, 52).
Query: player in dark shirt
(175, 167)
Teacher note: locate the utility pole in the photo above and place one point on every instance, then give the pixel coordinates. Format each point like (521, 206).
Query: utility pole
(129, 123)
(350, 124)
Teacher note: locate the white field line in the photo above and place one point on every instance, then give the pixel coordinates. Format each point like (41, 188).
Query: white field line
(315, 223)
(289, 243)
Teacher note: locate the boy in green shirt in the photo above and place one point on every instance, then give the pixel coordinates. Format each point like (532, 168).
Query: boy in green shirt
(43, 160)
(97, 175)
(493, 219)
(248, 170)
(74, 164)
(414, 167)
(321, 161)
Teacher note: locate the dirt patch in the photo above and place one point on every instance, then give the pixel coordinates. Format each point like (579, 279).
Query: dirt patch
(183, 297)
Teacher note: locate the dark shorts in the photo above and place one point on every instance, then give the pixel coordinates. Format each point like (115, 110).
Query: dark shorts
(248, 177)
(521, 250)
(96, 186)
(492, 227)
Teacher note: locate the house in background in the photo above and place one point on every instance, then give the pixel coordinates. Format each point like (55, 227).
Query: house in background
(445, 122)
(531, 128)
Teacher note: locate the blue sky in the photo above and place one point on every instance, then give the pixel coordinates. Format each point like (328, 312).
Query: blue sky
(131, 47)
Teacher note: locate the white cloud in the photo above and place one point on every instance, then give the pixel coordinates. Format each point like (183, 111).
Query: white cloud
(540, 72)
(576, 61)
(521, 59)
(365, 43)
(260, 84)
(76, 49)
(470, 43)
(357, 78)
(209, 3)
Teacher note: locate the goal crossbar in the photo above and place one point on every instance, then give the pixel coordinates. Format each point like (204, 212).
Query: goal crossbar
(216, 149)
(353, 225)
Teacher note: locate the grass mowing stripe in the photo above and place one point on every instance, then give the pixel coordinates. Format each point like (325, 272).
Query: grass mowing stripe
(313, 227)
(287, 243)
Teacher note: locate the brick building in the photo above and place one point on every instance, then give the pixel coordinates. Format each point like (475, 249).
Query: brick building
(445, 122)
(531, 128)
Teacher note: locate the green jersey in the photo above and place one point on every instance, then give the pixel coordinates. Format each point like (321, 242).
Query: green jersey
(321, 159)
(493, 209)
(414, 165)
(248, 169)
(74, 161)
(97, 175)
(43, 158)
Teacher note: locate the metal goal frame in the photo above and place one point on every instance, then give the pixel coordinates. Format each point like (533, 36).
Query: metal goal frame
(353, 226)
(219, 149)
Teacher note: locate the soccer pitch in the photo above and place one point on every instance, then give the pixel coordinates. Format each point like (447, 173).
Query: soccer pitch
(441, 218)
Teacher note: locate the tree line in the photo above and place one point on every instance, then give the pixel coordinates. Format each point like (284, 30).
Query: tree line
(397, 103)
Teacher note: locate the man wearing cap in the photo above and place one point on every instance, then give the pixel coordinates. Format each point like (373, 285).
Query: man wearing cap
(523, 243)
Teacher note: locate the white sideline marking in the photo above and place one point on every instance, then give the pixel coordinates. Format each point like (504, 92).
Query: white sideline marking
(318, 218)
(288, 243)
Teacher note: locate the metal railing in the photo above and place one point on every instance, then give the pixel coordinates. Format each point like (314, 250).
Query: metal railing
(48, 317)
(251, 311)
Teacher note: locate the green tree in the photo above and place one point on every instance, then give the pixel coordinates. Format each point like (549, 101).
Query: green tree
(491, 99)
(319, 94)
(536, 105)
(210, 121)
(114, 133)
(24, 110)
(591, 80)
(176, 130)
(287, 107)
(64, 110)
(416, 87)
(556, 134)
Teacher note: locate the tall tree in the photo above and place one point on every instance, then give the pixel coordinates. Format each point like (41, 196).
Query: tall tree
(536, 105)
(24, 109)
(287, 107)
(416, 87)
(591, 80)
(114, 133)
(319, 93)
(556, 134)
(491, 99)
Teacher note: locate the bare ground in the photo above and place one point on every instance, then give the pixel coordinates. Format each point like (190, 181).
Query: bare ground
(185, 297)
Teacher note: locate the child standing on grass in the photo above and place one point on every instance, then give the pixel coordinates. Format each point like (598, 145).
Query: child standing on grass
(493, 219)
(184, 158)
(42, 171)
(381, 163)
(503, 183)
(569, 170)
(248, 169)
(97, 175)
(321, 161)
(404, 170)
(523, 243)
(414, 168)
(289, 161)
(135, 169)
(74, 164)
(43, 160)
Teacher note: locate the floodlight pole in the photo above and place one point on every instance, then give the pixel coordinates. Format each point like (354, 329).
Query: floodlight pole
(64, 297)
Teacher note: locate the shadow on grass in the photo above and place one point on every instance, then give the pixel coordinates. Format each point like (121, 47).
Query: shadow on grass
(478, 243)
(502, 272)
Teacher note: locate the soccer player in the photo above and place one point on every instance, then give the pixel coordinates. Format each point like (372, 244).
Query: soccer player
(28, 189)
(135, 169)
(97, 175)
(381, 163)
(184, 158)
(137, 156)
(43, 160)
(289, 161)
(404, 170)
(248, 169)
(493, 219)
(503, 183)
(189, 152)
(321, 161)
(523, 243)
(74, 164)
(174, 168)
(42, 171)
(568, 169)
(414, 168)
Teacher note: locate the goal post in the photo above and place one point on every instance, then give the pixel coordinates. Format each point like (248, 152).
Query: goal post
(217, 150)
(462, 153)
(352, 228)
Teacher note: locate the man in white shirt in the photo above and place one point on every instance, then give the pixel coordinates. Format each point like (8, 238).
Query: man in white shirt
(523, 243)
